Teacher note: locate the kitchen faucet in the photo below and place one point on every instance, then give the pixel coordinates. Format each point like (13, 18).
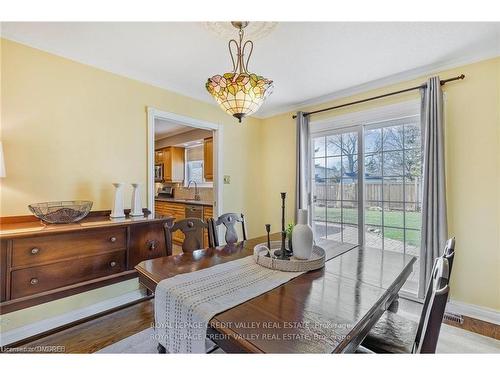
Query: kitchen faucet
(196, 191)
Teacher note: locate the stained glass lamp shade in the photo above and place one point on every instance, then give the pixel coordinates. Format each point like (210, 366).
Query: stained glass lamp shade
(239, 93)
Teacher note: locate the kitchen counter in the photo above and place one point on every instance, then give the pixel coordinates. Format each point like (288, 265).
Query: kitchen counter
(185, 201)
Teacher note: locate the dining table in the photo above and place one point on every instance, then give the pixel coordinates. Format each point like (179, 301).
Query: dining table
(328, 310)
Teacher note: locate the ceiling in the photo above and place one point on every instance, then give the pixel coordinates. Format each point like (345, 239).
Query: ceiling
(309, 62)
(164, 129)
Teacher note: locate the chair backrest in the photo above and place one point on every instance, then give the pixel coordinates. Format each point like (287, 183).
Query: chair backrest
(449, 252)
(192, 229)
(229, 220)
(434, 307)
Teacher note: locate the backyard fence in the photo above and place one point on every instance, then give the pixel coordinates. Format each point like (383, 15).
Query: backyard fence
(393, 194)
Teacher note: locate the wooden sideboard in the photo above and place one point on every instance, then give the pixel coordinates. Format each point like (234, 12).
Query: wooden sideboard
(41, 263)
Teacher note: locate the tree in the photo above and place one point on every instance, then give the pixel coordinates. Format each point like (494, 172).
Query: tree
(347, 143)
(398, 163)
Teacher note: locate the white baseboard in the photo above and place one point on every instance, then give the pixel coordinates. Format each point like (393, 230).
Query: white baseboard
(474, 311)
(45, 325)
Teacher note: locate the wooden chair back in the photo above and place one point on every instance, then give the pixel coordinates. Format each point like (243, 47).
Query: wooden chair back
(229, 220)
(449, 252)
(192, 228)
(434, 307)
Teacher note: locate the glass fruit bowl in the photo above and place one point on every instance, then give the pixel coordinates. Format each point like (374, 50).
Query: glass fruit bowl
(63, 212)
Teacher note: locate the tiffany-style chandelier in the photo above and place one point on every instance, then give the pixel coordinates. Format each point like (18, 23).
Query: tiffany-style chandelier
(239, 93)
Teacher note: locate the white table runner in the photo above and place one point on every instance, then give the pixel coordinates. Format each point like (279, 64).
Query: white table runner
(185, 303)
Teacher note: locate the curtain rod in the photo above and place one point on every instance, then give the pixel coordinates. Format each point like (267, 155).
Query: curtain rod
(422, 86)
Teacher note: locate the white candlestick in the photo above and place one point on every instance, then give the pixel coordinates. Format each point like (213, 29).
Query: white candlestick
(136, 206)
(118, 210)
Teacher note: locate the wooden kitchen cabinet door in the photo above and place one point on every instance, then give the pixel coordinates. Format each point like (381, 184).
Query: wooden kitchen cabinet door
(167, 164)
(173, 164)
(208, 213)
(177, 163)
(159, 157)
(208, 159)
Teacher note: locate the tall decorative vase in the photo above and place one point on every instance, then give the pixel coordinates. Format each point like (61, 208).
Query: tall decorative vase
(302, 237)
(136, 206)
(118, 211)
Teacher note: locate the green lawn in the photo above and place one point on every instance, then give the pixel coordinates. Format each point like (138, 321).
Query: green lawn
(373, 217)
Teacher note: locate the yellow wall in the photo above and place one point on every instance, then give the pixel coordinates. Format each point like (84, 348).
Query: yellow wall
(69, 130)
(472, 112)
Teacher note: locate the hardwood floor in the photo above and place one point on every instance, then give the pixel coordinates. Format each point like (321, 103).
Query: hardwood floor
(478, 326)
(96, 334)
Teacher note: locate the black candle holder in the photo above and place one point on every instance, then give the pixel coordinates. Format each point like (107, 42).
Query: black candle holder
(268, 230)
(283, 253)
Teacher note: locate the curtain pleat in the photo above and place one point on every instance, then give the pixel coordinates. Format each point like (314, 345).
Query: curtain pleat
(303, 165)
(434, 219)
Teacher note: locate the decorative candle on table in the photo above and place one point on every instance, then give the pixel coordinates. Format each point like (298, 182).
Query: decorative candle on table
(283, 253)
(268, 230)
(136, 206)
(118, 210)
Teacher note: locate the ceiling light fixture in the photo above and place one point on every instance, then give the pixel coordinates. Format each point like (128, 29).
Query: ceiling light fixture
(239, 93)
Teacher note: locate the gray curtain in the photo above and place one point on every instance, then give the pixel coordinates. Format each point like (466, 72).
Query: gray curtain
(434, 222)
(303, 164)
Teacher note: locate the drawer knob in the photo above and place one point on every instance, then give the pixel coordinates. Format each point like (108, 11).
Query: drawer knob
(113, 239)
(35, 250)
(152, 245)
(112, 263)
(34, 281)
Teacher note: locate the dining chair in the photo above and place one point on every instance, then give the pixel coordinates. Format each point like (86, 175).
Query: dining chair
(396, 334)
(229, 220)
(449, 252)
(192, 229)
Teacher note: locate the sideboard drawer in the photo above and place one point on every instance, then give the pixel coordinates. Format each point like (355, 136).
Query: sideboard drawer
(146, 242)
(35, 250)
(38, 279)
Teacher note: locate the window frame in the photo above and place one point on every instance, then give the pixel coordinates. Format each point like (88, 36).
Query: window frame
(204, 183)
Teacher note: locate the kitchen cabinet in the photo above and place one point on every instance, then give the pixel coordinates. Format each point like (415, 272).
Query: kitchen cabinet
(173, 164)
(159, 157)
(208, 158)
(175, 210)
(208, 212)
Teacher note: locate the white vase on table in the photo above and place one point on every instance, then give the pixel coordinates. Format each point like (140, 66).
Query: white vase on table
(118, 210)
(302, 237)
(136, 206)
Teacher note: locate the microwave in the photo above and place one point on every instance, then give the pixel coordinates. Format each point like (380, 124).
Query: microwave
(159, 172)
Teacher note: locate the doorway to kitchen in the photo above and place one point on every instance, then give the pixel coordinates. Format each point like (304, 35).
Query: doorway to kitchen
(184, 164)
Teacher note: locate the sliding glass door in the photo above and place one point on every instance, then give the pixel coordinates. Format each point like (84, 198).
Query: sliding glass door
(375, 203)
(337, 213)
(393, 171)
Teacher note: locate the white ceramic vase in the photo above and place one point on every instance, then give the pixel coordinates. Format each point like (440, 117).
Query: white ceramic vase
(118, 210)
(136, 206)
(302, 237)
